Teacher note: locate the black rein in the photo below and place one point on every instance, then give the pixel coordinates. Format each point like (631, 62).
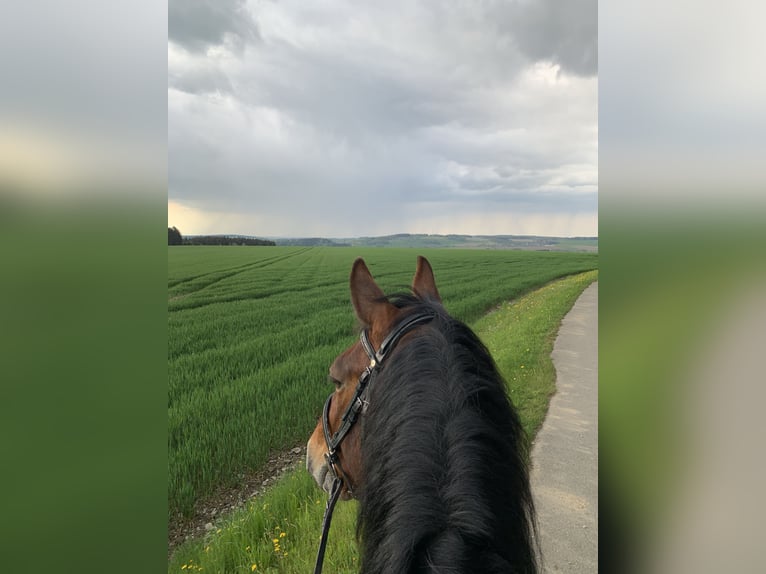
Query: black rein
(357, 406)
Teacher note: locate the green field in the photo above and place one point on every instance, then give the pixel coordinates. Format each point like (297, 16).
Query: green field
(278, 532)
(427, 241)
(252, 331)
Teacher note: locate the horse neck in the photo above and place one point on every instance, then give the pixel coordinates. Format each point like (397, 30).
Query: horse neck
(445, 481)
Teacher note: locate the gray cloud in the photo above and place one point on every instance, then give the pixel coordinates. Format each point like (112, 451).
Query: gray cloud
(404, 110)
(199, 24)
(563, 32)
(202, 80)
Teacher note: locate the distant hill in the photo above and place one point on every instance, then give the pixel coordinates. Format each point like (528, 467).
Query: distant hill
(225, 240)
(531, 242)
(312, 242)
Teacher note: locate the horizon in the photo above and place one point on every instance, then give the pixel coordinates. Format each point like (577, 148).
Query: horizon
(245, 235)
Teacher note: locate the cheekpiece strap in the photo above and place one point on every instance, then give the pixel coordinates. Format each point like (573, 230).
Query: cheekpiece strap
(358, 404)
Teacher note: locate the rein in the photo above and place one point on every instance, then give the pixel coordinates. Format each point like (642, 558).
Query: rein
(357, 406)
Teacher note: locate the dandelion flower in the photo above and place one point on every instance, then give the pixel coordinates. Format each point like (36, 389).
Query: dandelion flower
(282, 534)
(253, 567)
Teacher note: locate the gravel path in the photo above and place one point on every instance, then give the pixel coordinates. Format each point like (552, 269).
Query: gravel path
(565, 454)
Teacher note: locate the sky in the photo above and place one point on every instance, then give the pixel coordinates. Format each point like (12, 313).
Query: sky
(341, 119)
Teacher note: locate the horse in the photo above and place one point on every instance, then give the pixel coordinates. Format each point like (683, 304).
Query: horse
(439, 461)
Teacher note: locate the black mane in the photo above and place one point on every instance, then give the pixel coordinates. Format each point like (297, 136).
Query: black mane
(444, 457)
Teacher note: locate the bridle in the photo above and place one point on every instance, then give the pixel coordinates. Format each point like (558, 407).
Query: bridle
(358, 403)
(357, 406)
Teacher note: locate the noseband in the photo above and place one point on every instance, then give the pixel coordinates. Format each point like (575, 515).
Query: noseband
(357, 406)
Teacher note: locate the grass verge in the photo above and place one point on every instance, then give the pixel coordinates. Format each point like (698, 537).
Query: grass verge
(520, 335)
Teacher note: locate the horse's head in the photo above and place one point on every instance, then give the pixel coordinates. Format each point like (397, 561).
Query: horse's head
(379, 318)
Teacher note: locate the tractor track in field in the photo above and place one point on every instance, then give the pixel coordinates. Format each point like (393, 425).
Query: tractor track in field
(220, 275)
(252, 297)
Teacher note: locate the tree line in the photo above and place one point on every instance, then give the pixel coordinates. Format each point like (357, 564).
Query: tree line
(175, 238)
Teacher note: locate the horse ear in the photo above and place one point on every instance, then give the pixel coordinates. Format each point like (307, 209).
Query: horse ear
(367, 298)
(424, 284)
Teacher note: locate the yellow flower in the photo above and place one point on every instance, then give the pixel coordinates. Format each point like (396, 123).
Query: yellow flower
(275, 540)
(253, 567)
(184, 567)
(282, 534)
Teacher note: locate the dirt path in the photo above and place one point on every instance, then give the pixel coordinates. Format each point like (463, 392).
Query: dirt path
(565, 453)
(226, 500)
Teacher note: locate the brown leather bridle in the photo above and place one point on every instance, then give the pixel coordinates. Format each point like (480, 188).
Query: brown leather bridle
(356, 407)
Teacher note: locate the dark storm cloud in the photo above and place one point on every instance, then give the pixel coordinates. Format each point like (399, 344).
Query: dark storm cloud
(563, 32)
(341, 94)
(199, 24)
(359, 86)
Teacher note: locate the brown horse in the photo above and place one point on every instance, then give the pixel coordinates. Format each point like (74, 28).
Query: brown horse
(421, 431)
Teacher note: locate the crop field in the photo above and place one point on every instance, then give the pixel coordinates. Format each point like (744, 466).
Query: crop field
(253, 330)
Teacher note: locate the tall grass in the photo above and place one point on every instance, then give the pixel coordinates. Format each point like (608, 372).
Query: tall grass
(252, 331)
(279, 532)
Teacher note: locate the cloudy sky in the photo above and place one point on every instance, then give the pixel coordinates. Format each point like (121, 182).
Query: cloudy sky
(342, 119)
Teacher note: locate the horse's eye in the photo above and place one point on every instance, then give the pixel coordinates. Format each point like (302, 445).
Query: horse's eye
(334, 381)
